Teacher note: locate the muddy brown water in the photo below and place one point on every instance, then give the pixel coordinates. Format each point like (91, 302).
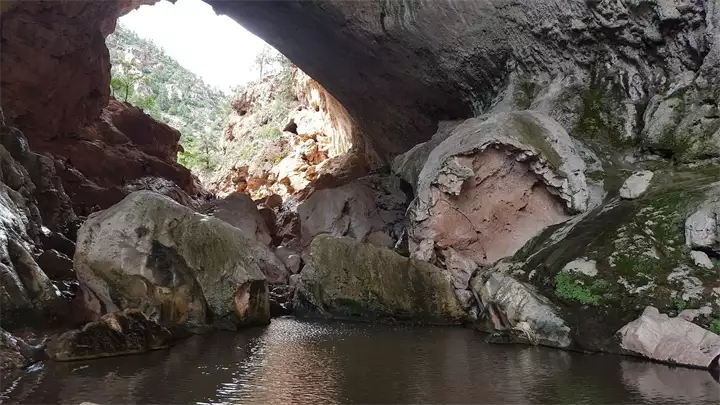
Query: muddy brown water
(298, 362)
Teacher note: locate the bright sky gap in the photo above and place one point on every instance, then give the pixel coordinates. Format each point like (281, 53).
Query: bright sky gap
(212, 46)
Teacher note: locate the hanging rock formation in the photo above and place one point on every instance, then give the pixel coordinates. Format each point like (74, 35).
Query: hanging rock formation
(591, 65)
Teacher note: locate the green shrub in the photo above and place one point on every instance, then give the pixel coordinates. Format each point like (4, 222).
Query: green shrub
(715, 326)
(570, 288)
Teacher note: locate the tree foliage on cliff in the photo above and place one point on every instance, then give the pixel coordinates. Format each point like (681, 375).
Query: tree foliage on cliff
(145, 76)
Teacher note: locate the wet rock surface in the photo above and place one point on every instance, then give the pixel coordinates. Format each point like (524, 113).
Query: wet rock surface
(115, 334)
(515, 307)
(16, 353)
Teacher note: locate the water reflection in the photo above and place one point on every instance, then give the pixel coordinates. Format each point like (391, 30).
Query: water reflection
(662, 384)
(294, 362)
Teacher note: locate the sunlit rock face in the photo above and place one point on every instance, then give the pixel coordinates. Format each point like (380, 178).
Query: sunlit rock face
(287, 135)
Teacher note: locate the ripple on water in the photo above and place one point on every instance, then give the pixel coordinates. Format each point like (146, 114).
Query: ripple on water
(298, 362)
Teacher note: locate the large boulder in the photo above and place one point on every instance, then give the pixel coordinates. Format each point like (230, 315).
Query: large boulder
(178, 266)
(673, 340)
(493, 185)
(116, 334)
(239, 210)
(370, 209)
(516, 306)
(347, 279)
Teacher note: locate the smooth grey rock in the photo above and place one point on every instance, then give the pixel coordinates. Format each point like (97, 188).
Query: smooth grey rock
(583, 266)
(701, 259)
(702, 230)
(358, 209)
(636, 185)
(240, 211)
(290, 258)
(674, 340)
(520, 303)
(179, 266)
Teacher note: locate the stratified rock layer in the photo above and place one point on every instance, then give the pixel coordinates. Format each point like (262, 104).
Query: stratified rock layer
(130, 151)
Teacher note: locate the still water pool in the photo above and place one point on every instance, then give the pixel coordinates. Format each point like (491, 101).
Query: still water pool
(299, 362)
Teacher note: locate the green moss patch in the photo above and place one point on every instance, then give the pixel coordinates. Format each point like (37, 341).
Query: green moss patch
(572, 288)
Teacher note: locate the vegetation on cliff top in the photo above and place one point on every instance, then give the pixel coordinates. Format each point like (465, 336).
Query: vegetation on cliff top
(145, 76)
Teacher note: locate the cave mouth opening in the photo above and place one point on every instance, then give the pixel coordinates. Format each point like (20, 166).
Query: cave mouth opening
(243, 112)
(173, 61)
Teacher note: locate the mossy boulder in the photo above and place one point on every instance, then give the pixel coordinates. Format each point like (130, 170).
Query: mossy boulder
(639, 256)
(177, 266)
(351, 280)
(116, 334)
